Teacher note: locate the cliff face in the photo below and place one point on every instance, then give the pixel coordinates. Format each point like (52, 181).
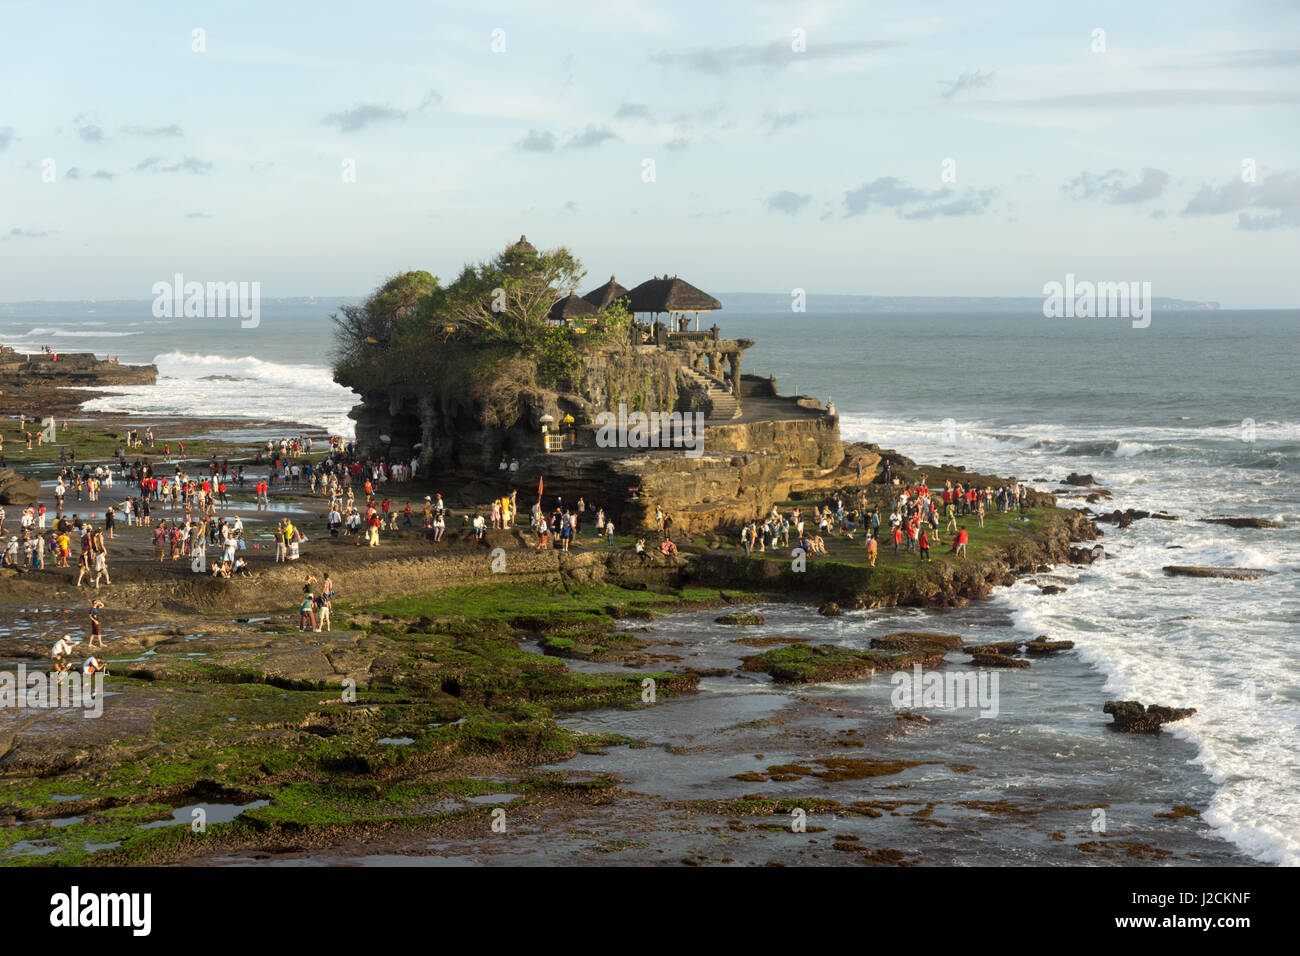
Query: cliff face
(456, 432)
(776, 447)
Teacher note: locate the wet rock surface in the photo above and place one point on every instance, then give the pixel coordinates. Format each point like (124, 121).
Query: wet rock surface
(1207, 571)
(1130, 716)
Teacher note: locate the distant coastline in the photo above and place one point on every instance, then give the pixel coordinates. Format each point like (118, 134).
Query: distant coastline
(771, 302)
(733, 302)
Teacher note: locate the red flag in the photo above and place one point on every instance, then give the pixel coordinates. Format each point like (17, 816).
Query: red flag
(539, 486)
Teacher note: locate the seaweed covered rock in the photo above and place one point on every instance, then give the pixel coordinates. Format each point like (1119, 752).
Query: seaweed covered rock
(1130, 715)
(917, 641)
(985, 659)
(829, 609)
(1041, 645)
(741, 619)
(806, 664)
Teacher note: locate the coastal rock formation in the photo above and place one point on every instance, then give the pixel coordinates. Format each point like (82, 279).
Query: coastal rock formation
(939, 584)
(1131, 717)
(829, 609)
(807, 664)
(1205, 571)
(1041, 645)
(1087, 555)
(17, 490)
(780, 446)
(1125, 518)
(18, 369)
(917, 641)
(741, 618)
(998, 660)
(1078, 480)
(1245, 522)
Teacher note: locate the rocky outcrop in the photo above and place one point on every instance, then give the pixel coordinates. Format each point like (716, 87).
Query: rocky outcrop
(17, 490)
(741, 619)
(732, 475)
(1087, 555)
(1041, 645)
(81, 369)
(1205, 571)
(1245, 522)
(938, 584)
(998, 660)
(1131, 717)
(917, 641)
(1078, 480)
(808, 664)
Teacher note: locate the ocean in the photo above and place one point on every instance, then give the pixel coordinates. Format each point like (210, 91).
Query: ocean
(1197, 415)
(206, 367)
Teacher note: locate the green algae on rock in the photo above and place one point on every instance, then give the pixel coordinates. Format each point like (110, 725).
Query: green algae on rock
(807, 664)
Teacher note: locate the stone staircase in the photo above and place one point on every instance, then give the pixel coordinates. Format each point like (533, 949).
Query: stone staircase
(722, 404)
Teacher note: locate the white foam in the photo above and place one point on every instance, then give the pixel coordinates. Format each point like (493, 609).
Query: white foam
(300, 393)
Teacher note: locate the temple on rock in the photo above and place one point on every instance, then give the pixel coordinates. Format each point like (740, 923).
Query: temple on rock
(757, 446)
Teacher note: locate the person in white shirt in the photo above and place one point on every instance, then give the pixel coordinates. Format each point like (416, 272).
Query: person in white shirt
(63, 647)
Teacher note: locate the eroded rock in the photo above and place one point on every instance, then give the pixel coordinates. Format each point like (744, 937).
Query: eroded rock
(1131, 716)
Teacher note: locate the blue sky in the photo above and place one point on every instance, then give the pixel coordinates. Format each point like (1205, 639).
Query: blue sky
(774, 168)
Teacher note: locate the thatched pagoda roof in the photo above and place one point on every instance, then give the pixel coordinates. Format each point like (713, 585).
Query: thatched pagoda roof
(603, 295)
(523, 245)
(670, 294)
(571, 307)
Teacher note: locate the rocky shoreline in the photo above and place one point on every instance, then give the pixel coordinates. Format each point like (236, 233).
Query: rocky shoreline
(462, 674)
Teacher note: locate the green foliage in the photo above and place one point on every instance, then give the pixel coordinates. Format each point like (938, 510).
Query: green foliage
(557, 357)
(469, 337)
(364, 333)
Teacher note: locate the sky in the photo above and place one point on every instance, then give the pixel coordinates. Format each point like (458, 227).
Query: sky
(922, 148)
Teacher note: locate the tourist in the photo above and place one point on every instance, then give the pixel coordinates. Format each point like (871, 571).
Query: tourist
(63, 647)
(92, 666)
(306, 611)
(959, 545)
(83, 563)
(101, 564)
(323, 606)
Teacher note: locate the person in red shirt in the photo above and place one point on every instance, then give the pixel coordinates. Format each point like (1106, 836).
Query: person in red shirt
(959, 545)
(898, 538)
(925, 546)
